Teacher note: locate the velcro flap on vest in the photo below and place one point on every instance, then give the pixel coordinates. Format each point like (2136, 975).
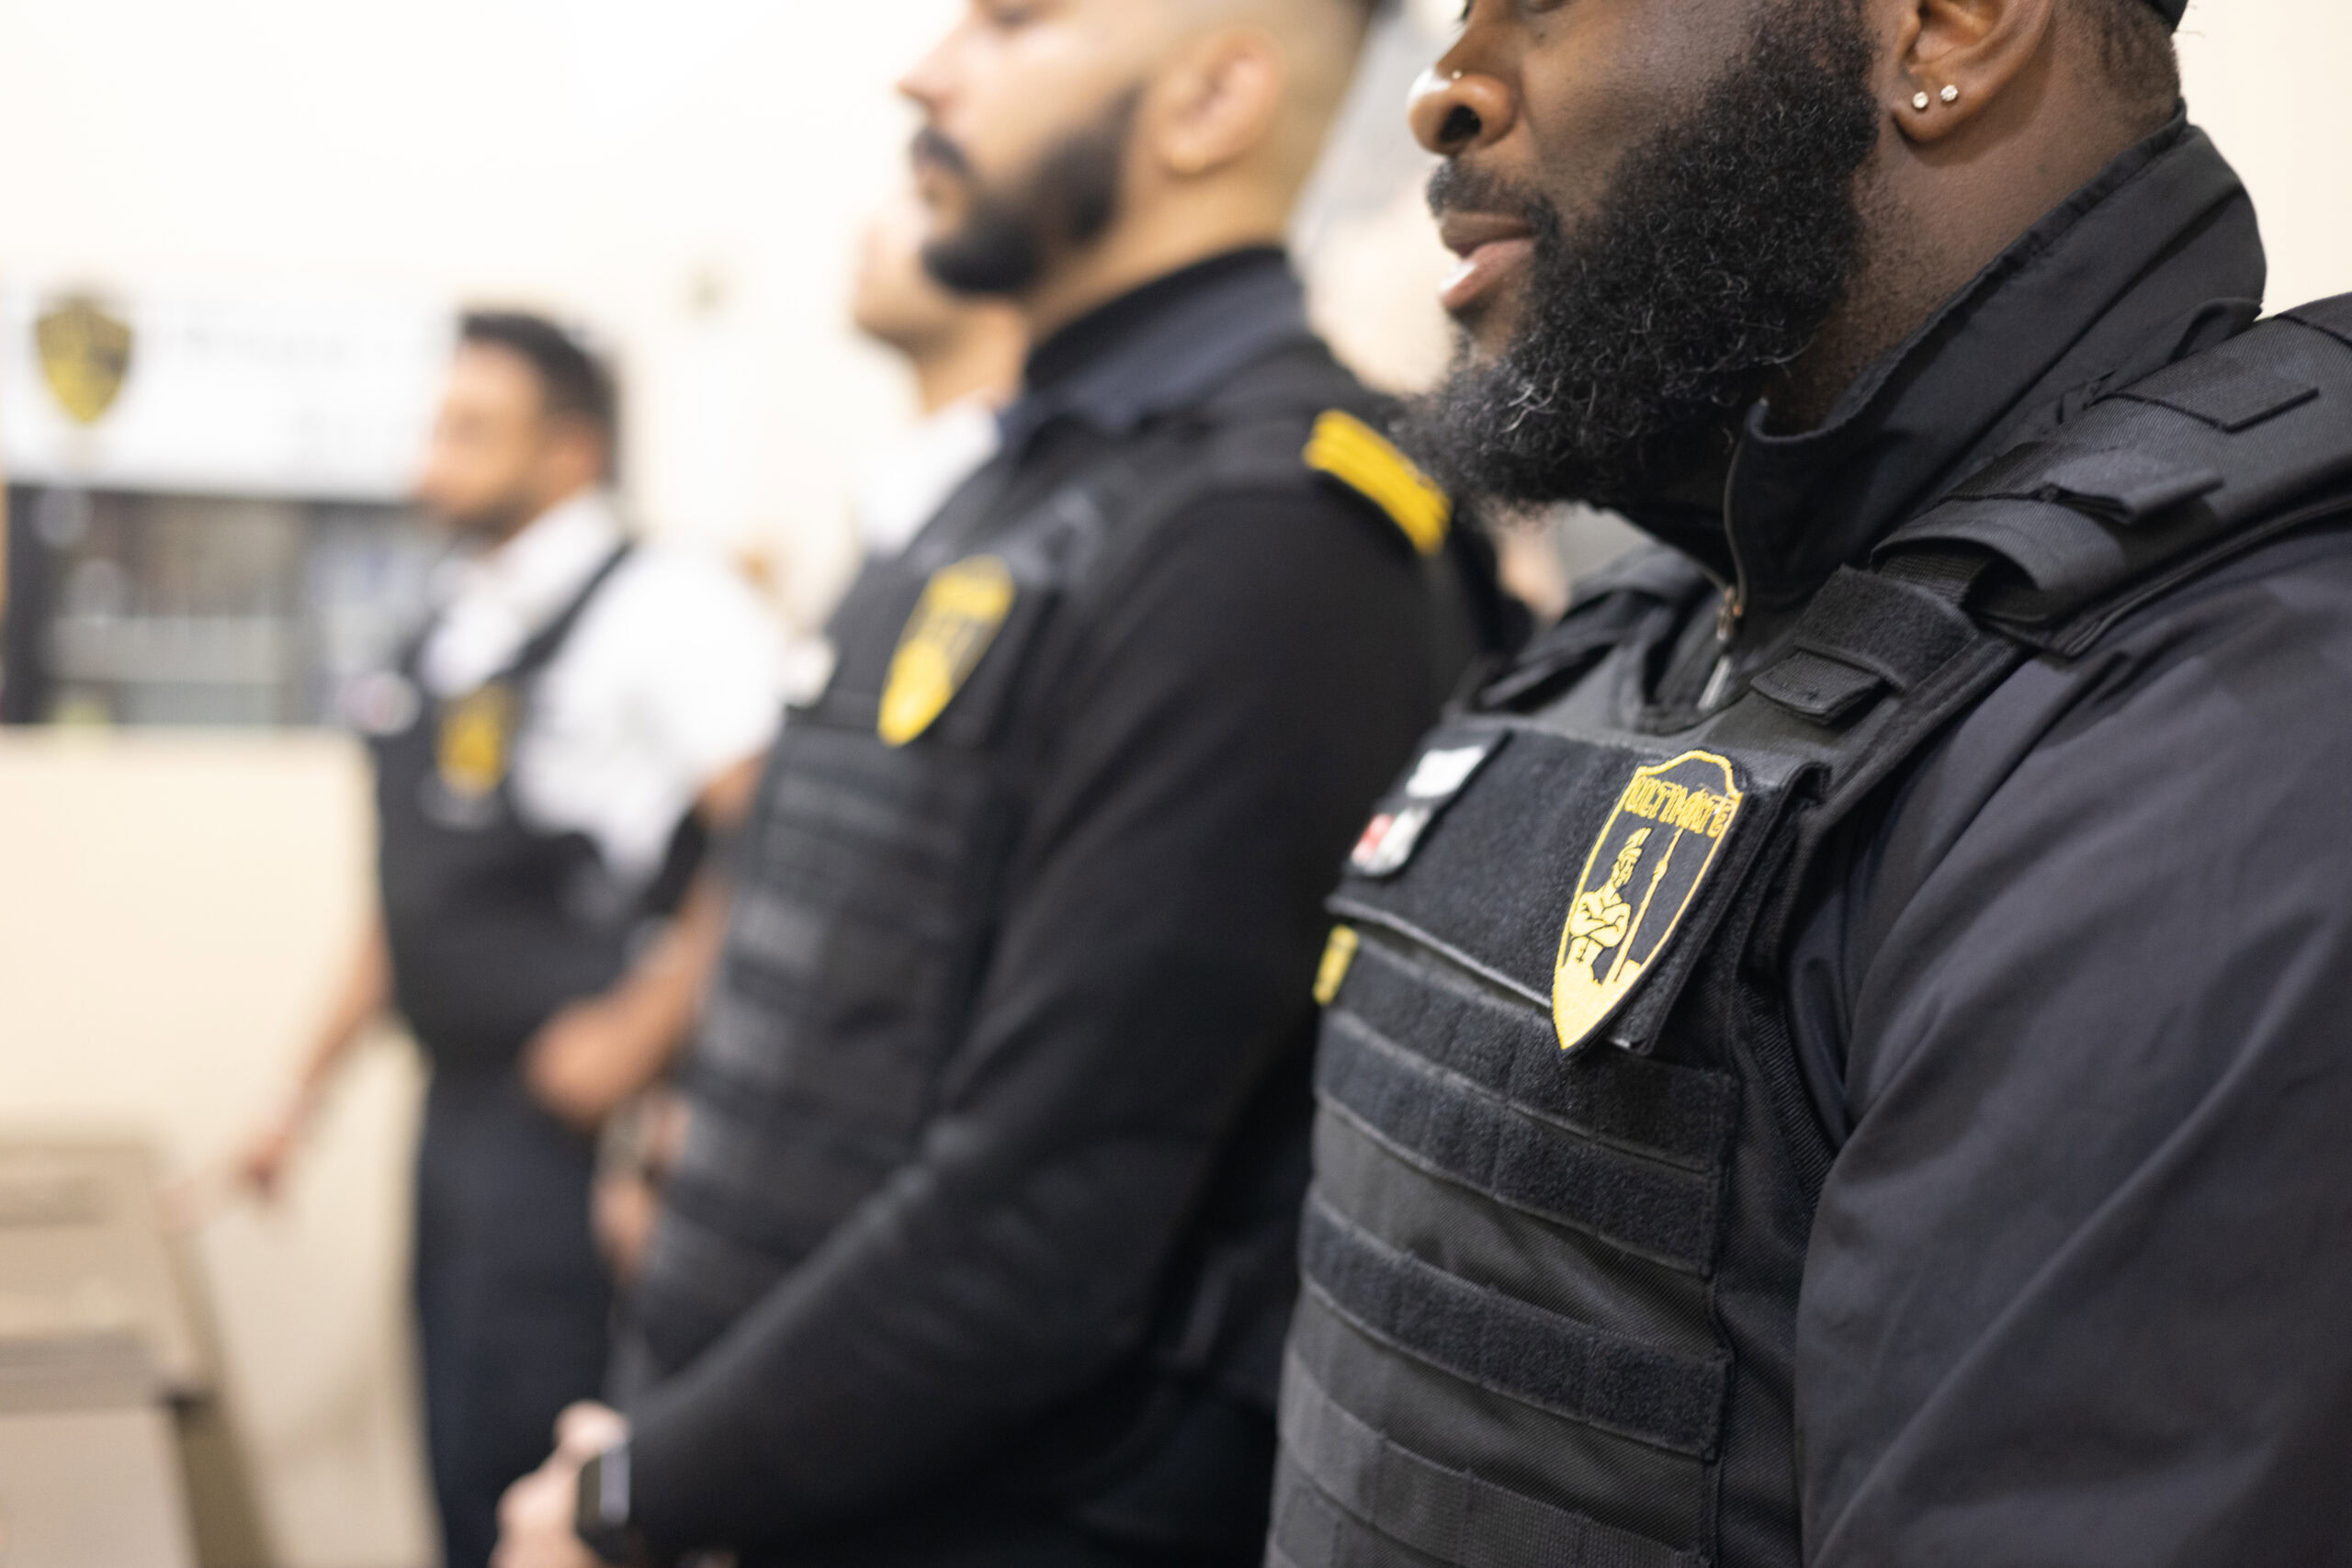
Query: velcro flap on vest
(2333, 317)
(1862, 634)
(1557, 823)
(2119, 484)
(2232, 398)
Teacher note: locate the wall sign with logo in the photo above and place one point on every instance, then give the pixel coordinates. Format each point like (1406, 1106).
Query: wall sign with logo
(300, 396)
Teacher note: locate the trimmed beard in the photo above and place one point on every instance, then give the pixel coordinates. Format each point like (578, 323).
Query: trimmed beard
(1066, 200)
(1722, 246)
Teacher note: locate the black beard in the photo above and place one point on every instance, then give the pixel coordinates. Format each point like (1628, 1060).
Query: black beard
(1066, 200)
(1720, 248)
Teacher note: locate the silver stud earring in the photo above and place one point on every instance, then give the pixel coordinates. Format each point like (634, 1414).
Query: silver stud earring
(1951, 94)
(1919, 102)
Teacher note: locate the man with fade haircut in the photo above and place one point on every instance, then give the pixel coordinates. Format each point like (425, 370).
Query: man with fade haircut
(554, 751)
(981, 1244)
(1857, 1074)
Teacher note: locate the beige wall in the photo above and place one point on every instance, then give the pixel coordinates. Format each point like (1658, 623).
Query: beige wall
(171, 912)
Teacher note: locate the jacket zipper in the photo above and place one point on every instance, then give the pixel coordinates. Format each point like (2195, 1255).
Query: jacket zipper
(1734, 604)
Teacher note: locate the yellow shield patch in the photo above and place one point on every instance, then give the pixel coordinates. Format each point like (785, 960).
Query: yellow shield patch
(84, 356)
(1643, 873)
(961, 609)
(475, 735)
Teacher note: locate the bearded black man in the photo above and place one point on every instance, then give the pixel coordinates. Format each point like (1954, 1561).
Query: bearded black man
(979, 1248)
(1855, 1076)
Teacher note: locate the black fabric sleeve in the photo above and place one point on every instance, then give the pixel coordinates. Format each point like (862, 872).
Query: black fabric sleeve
(1262, 682)
(2081, 1276)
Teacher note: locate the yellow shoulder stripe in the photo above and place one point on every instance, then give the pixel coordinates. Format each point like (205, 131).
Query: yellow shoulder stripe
(1361, 459)
(1338, 957)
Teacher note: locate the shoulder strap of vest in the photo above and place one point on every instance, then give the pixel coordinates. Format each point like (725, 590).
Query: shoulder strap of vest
(1606, 605)
(2204, 458)
(545, 644)
(1256, 431)
(2051, 544)
(2048, 547)
(536, 653)
(1303, 411)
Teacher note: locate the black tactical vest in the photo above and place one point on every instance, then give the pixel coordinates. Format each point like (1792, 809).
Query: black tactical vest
(495, 925)
(1565, 1168)
(870, 877)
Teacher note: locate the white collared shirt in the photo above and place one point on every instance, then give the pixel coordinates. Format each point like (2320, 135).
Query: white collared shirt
(907, 484)
(674, 674)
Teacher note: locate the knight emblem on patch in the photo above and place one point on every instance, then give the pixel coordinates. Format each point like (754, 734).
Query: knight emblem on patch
(1641, 878)
(962, 609)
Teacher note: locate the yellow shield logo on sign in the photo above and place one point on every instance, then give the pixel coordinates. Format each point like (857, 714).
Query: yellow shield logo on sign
(84, 356)
(1639, 879)
(961, 609)
(475, 735)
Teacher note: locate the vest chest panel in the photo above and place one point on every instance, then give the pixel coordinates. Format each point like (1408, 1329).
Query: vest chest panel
(1524, 1337)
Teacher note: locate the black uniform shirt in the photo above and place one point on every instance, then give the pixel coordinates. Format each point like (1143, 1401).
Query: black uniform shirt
(1266, 673)
(2078, 999)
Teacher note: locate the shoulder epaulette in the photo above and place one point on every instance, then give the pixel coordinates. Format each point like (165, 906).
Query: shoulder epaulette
(1360, 458)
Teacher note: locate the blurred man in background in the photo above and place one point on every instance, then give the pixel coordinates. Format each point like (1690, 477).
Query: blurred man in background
(966, 355)
(550, 758)
(982, 1241)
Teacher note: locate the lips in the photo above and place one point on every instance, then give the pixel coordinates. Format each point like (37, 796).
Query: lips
(1491, 245)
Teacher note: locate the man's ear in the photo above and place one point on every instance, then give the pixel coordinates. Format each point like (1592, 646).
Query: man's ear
(1216, 101)
(578, 451)
(1955, 58)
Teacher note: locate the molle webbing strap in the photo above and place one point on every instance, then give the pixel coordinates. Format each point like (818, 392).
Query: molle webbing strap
(1510, 1348)
(1451, 1514)
(1677, 1114)
(1656, 1210)
(1866, 634)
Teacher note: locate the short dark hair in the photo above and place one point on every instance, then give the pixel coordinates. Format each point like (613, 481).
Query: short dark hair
(2135, 53)
(575, 382)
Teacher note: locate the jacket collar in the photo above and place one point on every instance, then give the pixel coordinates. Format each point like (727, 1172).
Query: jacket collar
(2154, 259)
(1162, 347)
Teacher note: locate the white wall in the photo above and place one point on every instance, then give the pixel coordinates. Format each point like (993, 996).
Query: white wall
(2267, 78)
